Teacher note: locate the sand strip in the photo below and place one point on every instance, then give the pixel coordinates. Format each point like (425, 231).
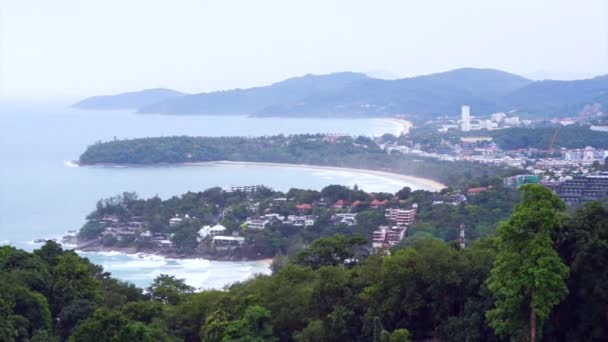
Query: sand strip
(427, 184)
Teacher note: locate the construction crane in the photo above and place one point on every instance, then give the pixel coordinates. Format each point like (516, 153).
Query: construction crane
(550, 149)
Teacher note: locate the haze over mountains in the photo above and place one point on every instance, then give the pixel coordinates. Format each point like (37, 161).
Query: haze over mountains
(349, 94)
(131, 100)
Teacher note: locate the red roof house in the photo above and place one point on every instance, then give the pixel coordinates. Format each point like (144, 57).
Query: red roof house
(473, 191)
(304, 206)
(376, 204)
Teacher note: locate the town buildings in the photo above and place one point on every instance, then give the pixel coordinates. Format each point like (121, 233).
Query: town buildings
(583, 189)
(519, 180)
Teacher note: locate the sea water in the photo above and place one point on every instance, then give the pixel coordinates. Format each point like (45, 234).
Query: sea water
(43, 194)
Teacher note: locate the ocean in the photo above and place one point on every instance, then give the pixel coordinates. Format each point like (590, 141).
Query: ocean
(43, 194)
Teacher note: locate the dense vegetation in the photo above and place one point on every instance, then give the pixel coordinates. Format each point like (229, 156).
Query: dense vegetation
(542, 277)
(559, 98)
(358, 152)
(437, 216)
(572, 136)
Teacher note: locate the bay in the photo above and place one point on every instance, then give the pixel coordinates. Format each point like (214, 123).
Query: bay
(42, 195)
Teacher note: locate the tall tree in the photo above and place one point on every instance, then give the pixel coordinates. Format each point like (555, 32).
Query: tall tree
(528, 278)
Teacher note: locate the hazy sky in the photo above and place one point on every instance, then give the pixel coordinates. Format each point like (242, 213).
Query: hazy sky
(54, 48)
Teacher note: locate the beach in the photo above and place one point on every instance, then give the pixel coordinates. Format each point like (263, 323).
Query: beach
(405, 125)
(427, 184)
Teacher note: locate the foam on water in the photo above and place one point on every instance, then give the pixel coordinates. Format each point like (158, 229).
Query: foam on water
(70, 164)
(141, 269)
(43, 193)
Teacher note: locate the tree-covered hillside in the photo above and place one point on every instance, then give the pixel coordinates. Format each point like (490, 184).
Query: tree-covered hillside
(573, 136)
(541, 278)
(321, 150)
(559, 98)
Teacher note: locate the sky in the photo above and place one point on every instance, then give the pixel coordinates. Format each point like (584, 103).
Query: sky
(76, 48)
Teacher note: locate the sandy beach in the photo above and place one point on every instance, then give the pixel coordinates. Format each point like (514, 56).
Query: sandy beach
(405, 125)
(428, 184)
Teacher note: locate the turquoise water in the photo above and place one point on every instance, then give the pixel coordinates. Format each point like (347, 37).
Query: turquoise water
(42, 195)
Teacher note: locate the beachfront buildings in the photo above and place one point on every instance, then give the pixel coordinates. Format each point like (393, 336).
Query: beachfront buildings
(224, 243)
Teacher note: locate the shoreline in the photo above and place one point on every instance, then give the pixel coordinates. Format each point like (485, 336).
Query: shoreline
(429, 184)
(70, 241)
(426, 183)
(142, 253)
(405, 125)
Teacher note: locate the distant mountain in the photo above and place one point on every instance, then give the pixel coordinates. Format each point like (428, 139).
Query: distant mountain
(132, 100)
(558, 98)
(252, 100)
(441, 93)
(354, 94)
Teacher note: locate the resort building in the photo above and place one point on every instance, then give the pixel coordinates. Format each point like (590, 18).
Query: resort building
(402, 217)
(257, 223)
(348, 219)
(227, 242)
(583, 189)
(385, 236)
(218, 229)
(241, 188)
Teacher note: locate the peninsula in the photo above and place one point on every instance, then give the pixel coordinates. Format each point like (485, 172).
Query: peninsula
(362, 153)
(255, 222)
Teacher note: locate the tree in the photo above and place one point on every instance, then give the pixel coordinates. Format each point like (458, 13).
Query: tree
(215, 326)
(404, 193)
(73, 279)
(583, 245)
(314, 332)
(253, 327)
(330, 251)
(108, 325)
(168, 289)
(528, 278)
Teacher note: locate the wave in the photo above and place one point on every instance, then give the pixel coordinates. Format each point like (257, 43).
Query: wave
(70, 164)
(141, 269)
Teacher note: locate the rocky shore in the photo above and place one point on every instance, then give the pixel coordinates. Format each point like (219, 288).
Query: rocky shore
(96, 246)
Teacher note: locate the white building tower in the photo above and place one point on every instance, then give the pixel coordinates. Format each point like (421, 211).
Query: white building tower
(465, 122)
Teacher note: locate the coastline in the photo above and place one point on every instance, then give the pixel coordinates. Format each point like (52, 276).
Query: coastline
(405, 125)
(429, 184)
(88, 247)
(426, 183)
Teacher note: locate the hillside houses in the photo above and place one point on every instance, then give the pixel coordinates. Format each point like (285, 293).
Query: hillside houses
(247, 224)
(388, 236)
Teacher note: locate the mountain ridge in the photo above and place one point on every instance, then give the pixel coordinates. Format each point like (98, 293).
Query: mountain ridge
(352, 94)
(128, 100)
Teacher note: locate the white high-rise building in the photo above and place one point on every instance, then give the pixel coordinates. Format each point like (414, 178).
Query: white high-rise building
(465, 122)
